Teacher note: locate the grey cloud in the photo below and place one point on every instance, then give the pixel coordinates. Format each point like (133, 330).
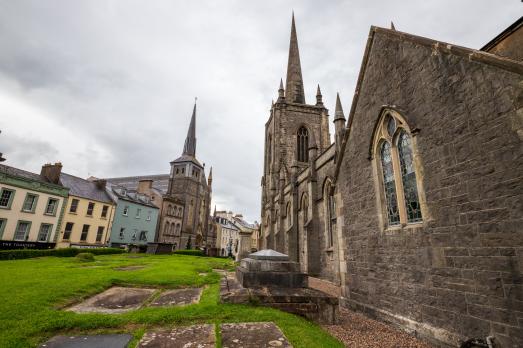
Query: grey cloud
(121, 75)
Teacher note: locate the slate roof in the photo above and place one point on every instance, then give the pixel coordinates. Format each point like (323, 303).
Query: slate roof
(226, 223)
(130, 195)
(82, 188)
(160, 181)
(22, 173)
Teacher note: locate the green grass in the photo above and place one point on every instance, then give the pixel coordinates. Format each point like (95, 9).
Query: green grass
(33, 291)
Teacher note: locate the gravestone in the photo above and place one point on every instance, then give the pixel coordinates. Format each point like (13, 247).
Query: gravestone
(253, 335)
(91, 341)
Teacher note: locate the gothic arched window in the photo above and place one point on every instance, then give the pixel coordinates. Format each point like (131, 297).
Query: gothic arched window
(408, 178)
(269, 152)
(305, 208)
(389, 185)
(166, 228)
(331, 214)
(303, 144)
(288, 215)
(396, 160)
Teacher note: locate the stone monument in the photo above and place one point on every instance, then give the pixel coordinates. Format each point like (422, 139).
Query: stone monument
(269, 278)
(270, 268)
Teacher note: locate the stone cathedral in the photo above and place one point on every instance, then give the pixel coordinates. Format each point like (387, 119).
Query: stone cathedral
(298, 207)
(416, 210)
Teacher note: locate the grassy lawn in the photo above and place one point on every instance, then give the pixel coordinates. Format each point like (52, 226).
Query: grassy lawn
(33, 291)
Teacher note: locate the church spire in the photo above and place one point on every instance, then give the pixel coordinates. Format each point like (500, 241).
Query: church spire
(189, 148)
(294, 84)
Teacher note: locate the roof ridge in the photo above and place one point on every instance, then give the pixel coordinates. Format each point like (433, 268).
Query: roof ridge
(472, 53)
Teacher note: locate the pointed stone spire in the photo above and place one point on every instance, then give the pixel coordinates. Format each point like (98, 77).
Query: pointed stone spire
(319, 101)
(281, 92)
(392, 25)
(338, 114)
(189, 148)
(294, 85)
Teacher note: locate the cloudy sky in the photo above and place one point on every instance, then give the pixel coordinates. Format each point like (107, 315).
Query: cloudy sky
(107, 87)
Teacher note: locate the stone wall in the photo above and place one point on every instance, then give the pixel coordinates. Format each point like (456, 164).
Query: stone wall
(459, 273)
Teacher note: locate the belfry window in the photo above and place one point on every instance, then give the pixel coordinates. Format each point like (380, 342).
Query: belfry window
(398, 172)
(303, 145)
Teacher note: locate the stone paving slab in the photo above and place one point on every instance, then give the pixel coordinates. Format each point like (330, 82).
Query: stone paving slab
(253, 335)
(129, 268)
(195, 336)
(114, 300)
(93, 341)
(178, 297)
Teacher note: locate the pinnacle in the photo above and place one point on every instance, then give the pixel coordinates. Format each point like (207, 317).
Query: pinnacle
(338, 114)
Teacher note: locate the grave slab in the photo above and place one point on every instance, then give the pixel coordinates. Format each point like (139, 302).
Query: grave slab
(114, 300)
(129, 268)
(195, 336)
(178, 297)
(92, 341)
(253, 335)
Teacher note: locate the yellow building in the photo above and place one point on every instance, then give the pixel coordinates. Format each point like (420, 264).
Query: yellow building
(88, 215)
(31, 207)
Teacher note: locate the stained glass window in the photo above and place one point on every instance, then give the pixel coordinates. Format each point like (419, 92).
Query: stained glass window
(408, 177)
(390, 187)
(391, 125)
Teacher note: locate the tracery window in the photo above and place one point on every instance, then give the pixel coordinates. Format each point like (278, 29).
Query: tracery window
(303, 144)
(389, 185)
(396, 160)
(305, 208)
(408, 178)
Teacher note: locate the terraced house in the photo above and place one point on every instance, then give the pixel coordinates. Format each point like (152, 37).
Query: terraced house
(88, 215)
(31, 207)
(135, 218)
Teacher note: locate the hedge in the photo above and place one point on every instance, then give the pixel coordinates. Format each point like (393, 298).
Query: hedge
(64, 252)
(192, 252)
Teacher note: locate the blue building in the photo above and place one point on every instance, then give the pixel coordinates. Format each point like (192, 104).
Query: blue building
(135, 219)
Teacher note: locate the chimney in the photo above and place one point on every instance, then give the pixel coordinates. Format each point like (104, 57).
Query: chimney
(51, 172)
(145, 186)
(100, 183)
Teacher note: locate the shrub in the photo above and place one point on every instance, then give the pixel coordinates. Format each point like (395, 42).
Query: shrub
(85, 257)
(192, 252)
(64, 252)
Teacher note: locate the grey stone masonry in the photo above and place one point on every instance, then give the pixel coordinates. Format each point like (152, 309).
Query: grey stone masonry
(457, 273)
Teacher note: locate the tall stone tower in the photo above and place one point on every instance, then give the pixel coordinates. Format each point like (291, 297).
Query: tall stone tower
(188, 187)
(294, 127)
